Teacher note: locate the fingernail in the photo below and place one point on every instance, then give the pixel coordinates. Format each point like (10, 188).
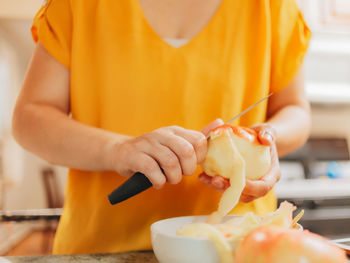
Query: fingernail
(217, 182)
(220, 184)
(219, 121)
(268, 137)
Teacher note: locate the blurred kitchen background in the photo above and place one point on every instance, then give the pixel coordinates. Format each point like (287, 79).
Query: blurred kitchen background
(316, 178)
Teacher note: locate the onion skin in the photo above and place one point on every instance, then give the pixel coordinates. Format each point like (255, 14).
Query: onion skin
(270, 244)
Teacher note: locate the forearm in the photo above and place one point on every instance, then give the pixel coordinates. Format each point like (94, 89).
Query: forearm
(51, 134)
(292, 126)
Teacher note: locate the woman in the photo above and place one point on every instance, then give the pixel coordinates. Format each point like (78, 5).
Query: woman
(112, 67)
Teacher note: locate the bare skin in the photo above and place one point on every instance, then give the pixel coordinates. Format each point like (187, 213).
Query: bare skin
(179, 19)
(42, 125)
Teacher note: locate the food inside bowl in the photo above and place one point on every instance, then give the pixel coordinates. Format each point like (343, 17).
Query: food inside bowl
(227, 236)
(273, 238)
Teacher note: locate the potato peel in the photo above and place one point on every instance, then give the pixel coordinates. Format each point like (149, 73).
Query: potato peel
(223, 158)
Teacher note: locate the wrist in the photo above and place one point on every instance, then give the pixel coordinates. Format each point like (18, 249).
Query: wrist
(112, 152)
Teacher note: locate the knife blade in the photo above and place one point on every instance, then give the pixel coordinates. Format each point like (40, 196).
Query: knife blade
(139, 182)
(246, 110)
(249, 108)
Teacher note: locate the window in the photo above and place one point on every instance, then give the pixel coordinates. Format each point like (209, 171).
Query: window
(327, 65)
(327, 15)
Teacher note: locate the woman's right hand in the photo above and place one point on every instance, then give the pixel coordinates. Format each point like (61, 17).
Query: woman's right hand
(176, 150)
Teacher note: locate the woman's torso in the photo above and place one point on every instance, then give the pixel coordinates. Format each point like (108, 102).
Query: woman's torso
(125, 78)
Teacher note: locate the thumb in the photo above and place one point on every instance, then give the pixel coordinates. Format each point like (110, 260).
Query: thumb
(211, 126)
(266, 135)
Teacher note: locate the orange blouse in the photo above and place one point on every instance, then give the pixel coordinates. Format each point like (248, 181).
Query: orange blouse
(126, 79)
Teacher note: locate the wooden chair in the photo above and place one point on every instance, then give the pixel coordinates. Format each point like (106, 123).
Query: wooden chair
(54, 199)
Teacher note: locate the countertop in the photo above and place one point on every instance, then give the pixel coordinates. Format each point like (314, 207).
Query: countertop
(128, 257)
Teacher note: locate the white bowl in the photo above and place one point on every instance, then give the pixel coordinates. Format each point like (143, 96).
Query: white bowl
(171, 248)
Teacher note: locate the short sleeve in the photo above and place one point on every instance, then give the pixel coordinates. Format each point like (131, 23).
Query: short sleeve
(52, 26)
(289, 43)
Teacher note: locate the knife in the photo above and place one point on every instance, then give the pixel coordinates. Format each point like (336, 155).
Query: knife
(139, 182)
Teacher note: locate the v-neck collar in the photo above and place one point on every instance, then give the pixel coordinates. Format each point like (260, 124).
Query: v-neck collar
(192, 40)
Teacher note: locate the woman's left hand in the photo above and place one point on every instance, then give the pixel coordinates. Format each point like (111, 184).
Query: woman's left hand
(257, 188)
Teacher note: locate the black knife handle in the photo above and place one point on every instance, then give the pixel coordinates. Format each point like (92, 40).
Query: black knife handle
(133, 186)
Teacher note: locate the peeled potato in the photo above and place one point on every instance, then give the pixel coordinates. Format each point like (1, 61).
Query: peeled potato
(236, 154)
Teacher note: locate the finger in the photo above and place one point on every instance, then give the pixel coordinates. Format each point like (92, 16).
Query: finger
(265, 138)
(274, 171)
(220, 183)
(168, 161)
(257, 188)
(266, 134)
(183, 150)
(206, 130)
(246, 198)
(197, 139)
(221, 187)
(204, 178)
(275, 165)
(150, 168)
(274, 153)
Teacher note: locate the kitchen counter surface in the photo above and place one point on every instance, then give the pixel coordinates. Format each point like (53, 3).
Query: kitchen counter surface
(128, 257)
